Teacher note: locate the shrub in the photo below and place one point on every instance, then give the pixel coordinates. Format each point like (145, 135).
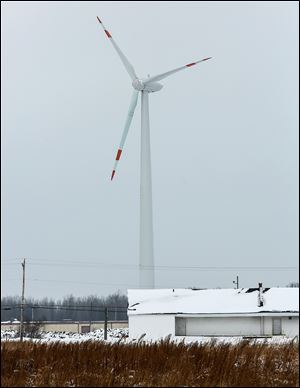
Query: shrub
(164, 364)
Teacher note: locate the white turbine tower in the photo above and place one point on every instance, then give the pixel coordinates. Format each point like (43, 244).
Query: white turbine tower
(145, 86)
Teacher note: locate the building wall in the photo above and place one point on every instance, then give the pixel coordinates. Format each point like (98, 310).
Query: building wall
(160, 325)
(155, 326)
(73, 327)
(290, 327)
(231, 326)
(259, 325)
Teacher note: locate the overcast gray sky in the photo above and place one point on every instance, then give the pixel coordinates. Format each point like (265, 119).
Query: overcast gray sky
(224, 141)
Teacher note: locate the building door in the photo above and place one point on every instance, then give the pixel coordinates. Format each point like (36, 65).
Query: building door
(85, 329)
(180, 326)
(276, 329)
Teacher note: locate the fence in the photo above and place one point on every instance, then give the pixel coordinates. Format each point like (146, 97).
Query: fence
(77, 319)
(58, 312)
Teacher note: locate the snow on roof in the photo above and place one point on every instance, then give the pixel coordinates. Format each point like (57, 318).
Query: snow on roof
(214, 301)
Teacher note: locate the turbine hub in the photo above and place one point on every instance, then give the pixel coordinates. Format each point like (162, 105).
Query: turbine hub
(138, 84)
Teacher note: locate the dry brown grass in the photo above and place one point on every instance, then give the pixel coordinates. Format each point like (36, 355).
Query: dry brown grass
(165, 364)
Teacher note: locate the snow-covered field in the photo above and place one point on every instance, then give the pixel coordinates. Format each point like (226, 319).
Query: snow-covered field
(121, 335)
(113, 335)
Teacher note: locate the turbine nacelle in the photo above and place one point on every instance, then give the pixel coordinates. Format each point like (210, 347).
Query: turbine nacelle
(142, 85)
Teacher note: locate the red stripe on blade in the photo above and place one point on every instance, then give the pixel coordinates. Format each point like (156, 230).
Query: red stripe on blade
(99, 20)
(112, 175)
(205, 59)
(107, 33)
(118, 154)
(190, 64)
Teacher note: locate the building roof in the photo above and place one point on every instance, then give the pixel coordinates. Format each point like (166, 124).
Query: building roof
(213, 301)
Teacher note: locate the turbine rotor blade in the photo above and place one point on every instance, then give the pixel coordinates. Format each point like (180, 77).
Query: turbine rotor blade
(130, 114)
(126, 63)
(164, 75)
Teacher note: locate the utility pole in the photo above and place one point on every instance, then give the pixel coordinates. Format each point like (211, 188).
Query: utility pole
(22, 302)
(91, 316)
(236, 282)
(105, 323)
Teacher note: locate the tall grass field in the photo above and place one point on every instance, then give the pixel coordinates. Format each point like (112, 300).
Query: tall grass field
(163, 364)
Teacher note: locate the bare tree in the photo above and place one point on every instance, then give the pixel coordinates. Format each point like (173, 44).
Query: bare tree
(33, 329)
(293, 284)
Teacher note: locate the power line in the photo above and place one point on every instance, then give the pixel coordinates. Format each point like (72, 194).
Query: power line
(79, 282)
(64, 263)
(73, 281)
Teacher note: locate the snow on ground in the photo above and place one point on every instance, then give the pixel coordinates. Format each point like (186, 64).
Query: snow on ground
(113, 335)
(121, 336)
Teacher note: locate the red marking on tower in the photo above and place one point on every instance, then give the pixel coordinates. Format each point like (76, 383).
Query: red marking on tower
(107, 33)
(112, 175)
(190, 64)
(118, 154)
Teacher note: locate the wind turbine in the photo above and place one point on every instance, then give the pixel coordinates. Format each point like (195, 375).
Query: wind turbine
(144, 86)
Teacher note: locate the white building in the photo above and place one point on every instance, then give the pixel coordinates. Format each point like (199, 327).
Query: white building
(180, 313)
(68, 326)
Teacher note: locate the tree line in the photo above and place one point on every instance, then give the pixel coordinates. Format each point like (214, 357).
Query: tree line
(89, 308)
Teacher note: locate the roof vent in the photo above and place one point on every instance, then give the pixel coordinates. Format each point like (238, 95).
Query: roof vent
(260, 295)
